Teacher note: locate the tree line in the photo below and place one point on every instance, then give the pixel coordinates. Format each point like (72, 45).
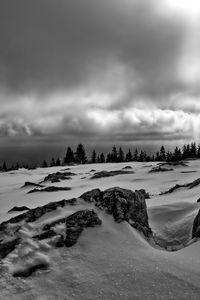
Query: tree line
(116, 155)
(188, 151)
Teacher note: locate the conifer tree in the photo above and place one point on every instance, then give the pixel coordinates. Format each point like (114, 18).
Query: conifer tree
(94, 157)
(52, 162)
(69, 157)
(80, 154)
(162, 153)
(58, 162)
(5, 166)
(129, 156)
(44, 164)
(120, 157)
(102, 158)
(114, 154)
(135, 156)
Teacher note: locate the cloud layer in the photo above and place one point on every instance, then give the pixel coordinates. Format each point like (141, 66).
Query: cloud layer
(107, 69)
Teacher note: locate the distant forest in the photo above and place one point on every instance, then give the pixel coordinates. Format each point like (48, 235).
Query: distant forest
(189, 151)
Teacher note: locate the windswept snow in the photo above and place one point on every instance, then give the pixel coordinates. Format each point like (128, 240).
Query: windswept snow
(112, 261)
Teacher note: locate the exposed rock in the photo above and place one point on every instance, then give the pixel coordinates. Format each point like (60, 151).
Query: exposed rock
(18, 208)
(186, 172)
(160, 169)
(94, 195)
(35, 213)
(124, 205)
(7, 247)
(29, 271)
(127, 167)
(198, 200)
(28, 183)
(92, 170)
(196, 226)
(56, 177)
(174, 164)
(102, 174)
(50, 189)
(146, 195)
(55, 180)
(189, 186)
(74, 224)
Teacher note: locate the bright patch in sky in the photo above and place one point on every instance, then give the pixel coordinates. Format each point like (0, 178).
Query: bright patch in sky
(188, 7)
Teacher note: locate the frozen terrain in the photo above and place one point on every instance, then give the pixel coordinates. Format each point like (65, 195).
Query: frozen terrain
(111, 260)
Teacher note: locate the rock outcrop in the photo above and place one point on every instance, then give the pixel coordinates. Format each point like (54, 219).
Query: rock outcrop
(127, 168)
(31, 184)
(33, 214)
(196, 226)
(58, 176)
(7, 247)
(124, 205)
(18, 209)
(102, 174)
(74, 225)
(50, 189)
(174, 164)
(160, 169)
(189, 186)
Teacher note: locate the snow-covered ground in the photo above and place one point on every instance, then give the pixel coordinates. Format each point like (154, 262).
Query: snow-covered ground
(112, 261)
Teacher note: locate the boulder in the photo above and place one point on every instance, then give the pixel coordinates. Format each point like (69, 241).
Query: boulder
(74, 225)
(50, 189)
(30, 184)
(56, 177)
(196, 226)
(35, 213)
(18, 208)
(102, 174)
(124, 205)
(127, 168)
(189, 186)
(7, 247)
(160, 169)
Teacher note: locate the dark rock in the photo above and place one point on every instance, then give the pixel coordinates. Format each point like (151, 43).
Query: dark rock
(92, 170)
(55, 180)
(127, 167)
(196, 226)
(189, 186)
(198, 200)
(160, 169)
(145, 194)
(187, 172)
(18, 208)
(72, 236)
(60, 242)
(74, 223)
(28, 184)
(102, 174)
(174, 164)
(45, 235)
(50, 189)
(29, 271)
(7, 247)
(35, 213)
(56, 177)
(92, 196)
(124, 205)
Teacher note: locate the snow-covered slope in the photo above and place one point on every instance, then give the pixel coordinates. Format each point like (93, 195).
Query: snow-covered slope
(111, 261)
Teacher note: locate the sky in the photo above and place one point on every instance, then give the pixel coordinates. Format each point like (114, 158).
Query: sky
(100, 72)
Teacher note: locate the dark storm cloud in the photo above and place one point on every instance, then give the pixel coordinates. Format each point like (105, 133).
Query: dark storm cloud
(51, 45)
(107, 69)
